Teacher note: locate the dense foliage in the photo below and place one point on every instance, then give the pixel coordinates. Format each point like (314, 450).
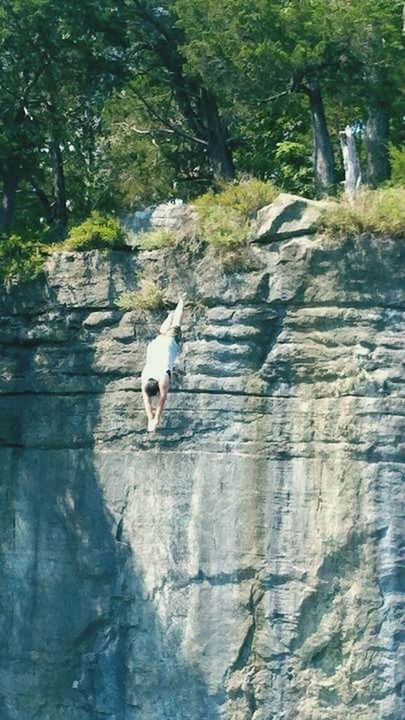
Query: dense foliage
(223, 217)
(20, 259)
(109, 105)
(97, 231)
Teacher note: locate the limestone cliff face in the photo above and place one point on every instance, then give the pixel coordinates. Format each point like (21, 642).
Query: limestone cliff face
(244, 563)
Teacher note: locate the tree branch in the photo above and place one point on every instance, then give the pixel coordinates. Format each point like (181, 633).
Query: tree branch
(167, 48)
(160, 131)
(164, 121)
(275, 97)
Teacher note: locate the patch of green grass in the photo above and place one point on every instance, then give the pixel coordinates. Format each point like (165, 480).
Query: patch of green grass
(147, 297)
(223, 227)
(20, 259)
(97, 232)
(224, 218)
(381, 212)
(156, 239)
(245, 197)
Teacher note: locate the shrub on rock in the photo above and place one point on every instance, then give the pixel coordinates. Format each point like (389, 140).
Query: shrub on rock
(147, 297)
(20, 259)
(97, 232)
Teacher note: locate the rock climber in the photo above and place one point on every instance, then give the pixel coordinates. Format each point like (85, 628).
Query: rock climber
(161, 354)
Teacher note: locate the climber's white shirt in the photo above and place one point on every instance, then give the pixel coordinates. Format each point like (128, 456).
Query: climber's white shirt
(160, 356)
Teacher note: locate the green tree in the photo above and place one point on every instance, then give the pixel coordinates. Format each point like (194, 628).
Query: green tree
(263, 53)
(176, 102)
(373, 74)
(329, 53)
(58, 62)
(131, 101)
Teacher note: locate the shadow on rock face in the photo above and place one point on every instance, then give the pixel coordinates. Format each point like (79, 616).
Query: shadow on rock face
(80, 637)
(368, 269)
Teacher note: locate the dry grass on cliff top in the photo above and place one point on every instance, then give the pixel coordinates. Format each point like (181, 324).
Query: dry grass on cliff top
(381, 212)
(224, 221)
(224, 217)
(157, 239)
(245, 197)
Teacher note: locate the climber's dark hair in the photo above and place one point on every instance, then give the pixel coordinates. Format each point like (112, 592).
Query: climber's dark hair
(152, 387)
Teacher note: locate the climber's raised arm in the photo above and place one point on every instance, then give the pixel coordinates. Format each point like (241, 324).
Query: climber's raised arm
(148, 405)
(164, 385)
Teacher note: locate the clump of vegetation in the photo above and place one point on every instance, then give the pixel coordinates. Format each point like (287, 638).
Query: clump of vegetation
(20, 259)
(245, 197)
(223, 227)
(224, 218)
(97, 232)
(147, 297)
(156, 239)
(378, 211)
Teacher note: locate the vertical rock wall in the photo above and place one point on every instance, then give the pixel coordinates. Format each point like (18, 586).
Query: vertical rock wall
(244, 563)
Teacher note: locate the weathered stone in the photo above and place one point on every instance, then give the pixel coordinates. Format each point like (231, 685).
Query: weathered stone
(288, 216)
(100, 319)
(244, 563)
(173, 216)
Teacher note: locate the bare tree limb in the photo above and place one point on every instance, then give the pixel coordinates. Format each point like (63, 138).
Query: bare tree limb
(175, 130)
(159, 131)
(275, 97)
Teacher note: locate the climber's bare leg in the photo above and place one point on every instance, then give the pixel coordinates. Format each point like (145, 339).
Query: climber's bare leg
(178, 313)
(166, 324)
(174, 317)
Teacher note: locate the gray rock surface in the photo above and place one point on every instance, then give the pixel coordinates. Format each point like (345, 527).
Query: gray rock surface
(288, 216)
(245, 562)
(171, 216)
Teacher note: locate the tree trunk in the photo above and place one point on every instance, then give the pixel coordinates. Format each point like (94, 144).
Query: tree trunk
(46, 204)
(351, 162)
(218, 150)
(322, 155)
(7, 206)
(199, 106)
(58, 173)
(60, 212)
(376, 144)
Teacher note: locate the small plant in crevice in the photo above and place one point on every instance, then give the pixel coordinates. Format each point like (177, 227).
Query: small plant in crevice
(148, 296)
(156, 239)
(224, 228)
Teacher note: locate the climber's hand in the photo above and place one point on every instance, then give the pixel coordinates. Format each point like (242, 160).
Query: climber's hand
(152, 425)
